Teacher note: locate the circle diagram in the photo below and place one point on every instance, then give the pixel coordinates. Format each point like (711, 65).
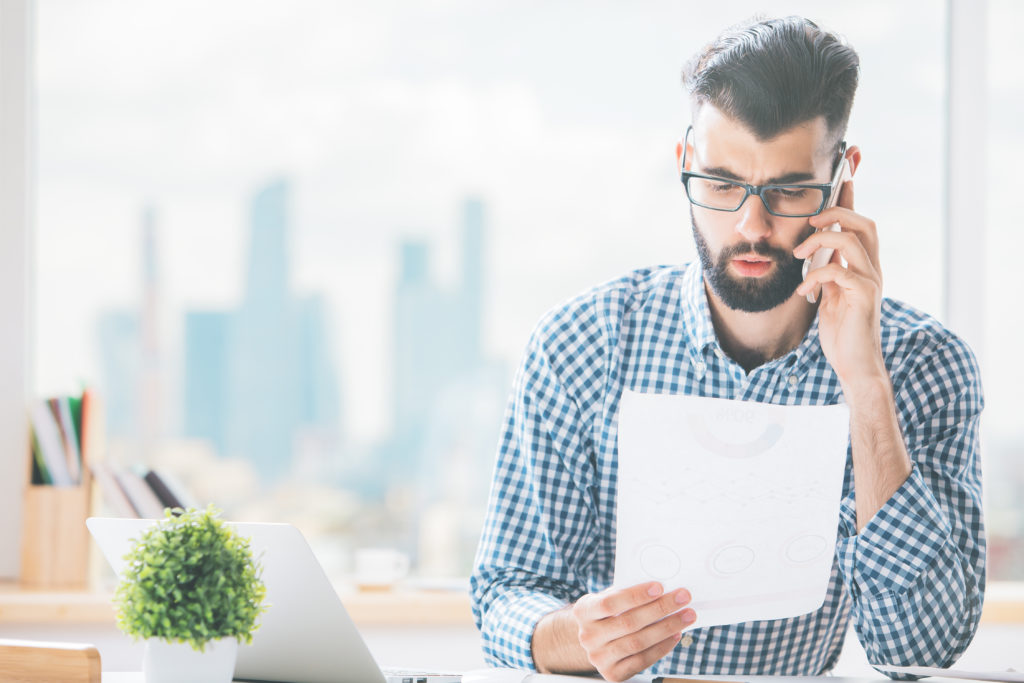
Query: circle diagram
(732, 560)
(806, 548)
(660, 562)
(750, 446)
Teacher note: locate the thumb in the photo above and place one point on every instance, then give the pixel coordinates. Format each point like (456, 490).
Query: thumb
(846, 195)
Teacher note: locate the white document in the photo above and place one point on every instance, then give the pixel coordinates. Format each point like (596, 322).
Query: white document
(736, 501)
(1009, 676)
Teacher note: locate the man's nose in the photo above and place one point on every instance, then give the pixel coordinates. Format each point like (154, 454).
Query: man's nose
(754, 220)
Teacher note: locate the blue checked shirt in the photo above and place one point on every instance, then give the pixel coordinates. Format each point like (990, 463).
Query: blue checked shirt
(913, 579)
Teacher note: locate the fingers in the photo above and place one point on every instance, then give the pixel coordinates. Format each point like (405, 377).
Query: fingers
(846, 195)
(845, 244)
(612, 602)
(863, 228)
(634, 620)
(634, 664)
(624, 631)
(852, 283)
(632, 653)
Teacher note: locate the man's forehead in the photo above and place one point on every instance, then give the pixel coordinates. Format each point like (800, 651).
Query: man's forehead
(723, 141)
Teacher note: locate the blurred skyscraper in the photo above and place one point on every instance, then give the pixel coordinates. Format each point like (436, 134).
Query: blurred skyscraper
(437, 332)
(447, 403)
(131, 359)
(121, 362)
(260, 377)
(206, 354)
(436, 340)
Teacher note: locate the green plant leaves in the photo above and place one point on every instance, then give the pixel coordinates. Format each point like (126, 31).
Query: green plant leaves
(190, 578)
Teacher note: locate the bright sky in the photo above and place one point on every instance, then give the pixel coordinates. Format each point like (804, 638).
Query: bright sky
(562, 116)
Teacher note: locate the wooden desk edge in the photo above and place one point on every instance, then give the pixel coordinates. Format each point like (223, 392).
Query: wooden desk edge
(1004, 605)
(400, 608)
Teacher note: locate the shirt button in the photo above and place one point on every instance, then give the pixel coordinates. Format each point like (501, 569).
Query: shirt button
(793, 380)
(686, 641)
(718, 352)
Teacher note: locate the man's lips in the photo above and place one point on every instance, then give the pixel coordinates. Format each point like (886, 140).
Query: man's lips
(752, 265)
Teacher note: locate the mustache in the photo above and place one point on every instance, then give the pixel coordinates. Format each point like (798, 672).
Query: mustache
(759, 248)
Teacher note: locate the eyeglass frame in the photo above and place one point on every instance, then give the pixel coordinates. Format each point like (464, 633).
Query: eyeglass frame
(757, 190)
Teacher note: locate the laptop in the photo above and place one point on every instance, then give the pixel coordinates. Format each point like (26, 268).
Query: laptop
(305, 635)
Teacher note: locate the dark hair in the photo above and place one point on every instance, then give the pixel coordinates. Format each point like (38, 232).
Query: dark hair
(774, 74)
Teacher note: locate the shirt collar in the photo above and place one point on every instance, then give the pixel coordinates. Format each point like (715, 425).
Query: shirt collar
(696, 311)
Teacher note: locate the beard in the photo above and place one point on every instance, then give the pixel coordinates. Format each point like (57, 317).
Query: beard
(748, 294)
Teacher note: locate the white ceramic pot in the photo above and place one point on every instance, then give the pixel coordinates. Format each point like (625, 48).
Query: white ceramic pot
(166, 662)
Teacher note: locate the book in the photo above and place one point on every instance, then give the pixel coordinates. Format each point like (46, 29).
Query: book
(141, 496)
(75, 402)
(163, 492)
(179, 490)
(90, 430)
(40, 475)
(61, 408)
(51, 446)
(113, 495)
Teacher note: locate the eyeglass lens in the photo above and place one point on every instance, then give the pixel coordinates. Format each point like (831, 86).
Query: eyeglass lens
(726, 196)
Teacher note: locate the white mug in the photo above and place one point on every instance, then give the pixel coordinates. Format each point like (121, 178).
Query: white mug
(380, 568)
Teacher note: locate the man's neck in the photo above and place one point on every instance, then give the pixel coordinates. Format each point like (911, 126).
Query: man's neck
(753, 339)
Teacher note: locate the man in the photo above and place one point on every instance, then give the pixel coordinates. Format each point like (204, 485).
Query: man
(770, 104)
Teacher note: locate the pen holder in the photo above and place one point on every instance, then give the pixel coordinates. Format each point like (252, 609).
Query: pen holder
(55, 542)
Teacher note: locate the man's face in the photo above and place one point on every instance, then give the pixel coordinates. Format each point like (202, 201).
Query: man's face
(747, 255)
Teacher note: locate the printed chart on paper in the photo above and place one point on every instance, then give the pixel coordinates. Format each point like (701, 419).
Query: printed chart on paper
(736, 501)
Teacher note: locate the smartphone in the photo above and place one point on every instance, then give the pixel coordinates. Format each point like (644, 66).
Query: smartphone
(822, 256)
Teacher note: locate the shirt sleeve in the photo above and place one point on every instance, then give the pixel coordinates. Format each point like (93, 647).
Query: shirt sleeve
(916, 571)
(541, 523)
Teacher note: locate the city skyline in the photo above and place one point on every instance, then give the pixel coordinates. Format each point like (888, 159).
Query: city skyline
(436, 345)
(276, 380)
(383, 125)
(447, 398)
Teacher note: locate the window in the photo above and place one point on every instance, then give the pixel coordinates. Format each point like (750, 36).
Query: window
(1003, 376)
(300, 247)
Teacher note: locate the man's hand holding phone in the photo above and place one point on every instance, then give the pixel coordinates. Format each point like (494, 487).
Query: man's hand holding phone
(823, 256)
(621, 631)
(849, 315)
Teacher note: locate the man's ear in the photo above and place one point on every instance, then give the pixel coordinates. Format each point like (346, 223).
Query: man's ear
(853, 158)
(679, 155)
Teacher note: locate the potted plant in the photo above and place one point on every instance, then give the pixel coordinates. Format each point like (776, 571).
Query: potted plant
(193, 590)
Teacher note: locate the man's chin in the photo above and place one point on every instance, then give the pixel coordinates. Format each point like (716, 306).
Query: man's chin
(752, 294)
(740, 283)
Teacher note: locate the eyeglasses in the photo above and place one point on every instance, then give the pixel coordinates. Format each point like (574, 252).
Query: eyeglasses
(789, 201)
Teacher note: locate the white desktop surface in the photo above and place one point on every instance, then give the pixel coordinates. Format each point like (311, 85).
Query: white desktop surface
(137, 677)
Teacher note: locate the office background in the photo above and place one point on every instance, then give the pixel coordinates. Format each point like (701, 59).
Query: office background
(299, 247)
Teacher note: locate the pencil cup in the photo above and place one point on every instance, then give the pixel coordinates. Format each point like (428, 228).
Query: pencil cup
(55, 542)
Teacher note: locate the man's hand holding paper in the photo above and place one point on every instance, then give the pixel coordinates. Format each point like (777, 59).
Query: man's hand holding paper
(624, 631)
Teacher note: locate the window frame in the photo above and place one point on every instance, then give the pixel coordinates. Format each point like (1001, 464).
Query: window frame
(17, 155)
(965, 220)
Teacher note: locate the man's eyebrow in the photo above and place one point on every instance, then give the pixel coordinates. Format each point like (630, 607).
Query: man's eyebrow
(787, 179)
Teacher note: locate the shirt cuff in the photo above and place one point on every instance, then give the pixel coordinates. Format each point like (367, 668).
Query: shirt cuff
(901, 541)
(509, 623)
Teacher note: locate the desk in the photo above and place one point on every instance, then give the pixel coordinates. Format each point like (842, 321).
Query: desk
(126, 677)
(123, 677)
(997, 646)
(1004, 604)
(435, 630)
(399, 607)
